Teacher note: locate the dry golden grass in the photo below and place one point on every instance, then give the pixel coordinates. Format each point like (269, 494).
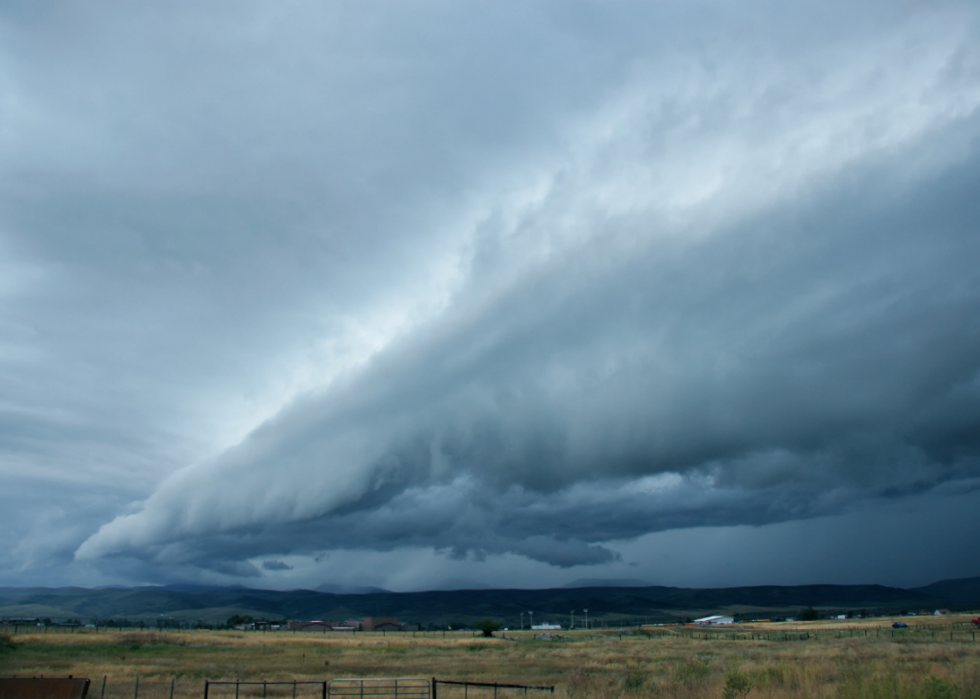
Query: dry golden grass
(584, 665)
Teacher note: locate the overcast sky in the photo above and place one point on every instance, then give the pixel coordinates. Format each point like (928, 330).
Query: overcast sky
(436, 293)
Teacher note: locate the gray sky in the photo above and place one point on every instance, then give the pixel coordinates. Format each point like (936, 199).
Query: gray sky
(413, 294)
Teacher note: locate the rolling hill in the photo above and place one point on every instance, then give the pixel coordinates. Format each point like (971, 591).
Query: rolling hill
(610, 604)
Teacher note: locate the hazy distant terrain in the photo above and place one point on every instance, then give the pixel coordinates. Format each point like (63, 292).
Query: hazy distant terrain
(608, 604)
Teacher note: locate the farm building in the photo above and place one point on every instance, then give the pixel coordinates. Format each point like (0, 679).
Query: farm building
(370, 623)
(714, 620)
(375, 623)
(21, 622)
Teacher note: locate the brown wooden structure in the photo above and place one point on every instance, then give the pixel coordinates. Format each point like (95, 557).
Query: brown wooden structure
(43, 688)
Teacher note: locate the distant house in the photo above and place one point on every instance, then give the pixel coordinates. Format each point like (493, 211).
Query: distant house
(714, 620)
(22, 622)
(941, 612)
(380, 623)
(376, 623)
(545, 627)
(369, 623)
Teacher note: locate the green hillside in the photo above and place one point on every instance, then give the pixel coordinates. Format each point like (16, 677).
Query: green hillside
(34, 611)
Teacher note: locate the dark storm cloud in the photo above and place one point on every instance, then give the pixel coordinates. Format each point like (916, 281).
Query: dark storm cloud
(276, 565)
(771, 382)
(491, 280)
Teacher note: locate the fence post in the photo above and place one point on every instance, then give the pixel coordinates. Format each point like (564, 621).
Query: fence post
(434, 688)
(172, 680)
(136, 691)
(104, 677)
(206, 685)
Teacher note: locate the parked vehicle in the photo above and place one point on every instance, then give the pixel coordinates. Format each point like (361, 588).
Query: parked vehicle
(900, 625)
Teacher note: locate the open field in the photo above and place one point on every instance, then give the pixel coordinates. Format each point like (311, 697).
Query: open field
(861, 658)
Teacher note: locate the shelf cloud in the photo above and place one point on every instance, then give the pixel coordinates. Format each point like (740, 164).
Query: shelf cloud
(513, 285)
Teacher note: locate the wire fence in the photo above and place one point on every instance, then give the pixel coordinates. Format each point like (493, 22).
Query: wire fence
(293, 689)
(393, 687)
(343, 688)
(454, 689)
(955, 633)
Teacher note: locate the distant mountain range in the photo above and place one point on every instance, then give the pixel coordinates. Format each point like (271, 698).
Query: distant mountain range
(606, 582)
(351, 589)
(609, 603)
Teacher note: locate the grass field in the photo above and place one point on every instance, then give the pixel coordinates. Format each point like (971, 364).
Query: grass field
(864, 658)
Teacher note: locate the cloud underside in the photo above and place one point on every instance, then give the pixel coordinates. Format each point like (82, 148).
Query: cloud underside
(788, 365)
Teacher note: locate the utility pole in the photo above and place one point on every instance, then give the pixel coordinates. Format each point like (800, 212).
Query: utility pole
(586, 619)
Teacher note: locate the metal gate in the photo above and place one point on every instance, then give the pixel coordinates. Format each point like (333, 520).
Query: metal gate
(281, 690)
(393, 687)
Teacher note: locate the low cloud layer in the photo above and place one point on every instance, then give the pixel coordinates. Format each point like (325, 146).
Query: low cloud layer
(524, 285)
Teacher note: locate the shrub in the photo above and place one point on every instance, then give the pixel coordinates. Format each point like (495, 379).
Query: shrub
(487, 626)
(808, 614)
(737, 685)
(633, 680)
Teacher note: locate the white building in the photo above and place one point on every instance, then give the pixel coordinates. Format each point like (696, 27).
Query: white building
(545, 627)
(713, 620)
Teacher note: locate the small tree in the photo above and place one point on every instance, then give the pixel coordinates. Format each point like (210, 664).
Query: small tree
(487, 626)
(808, 614)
